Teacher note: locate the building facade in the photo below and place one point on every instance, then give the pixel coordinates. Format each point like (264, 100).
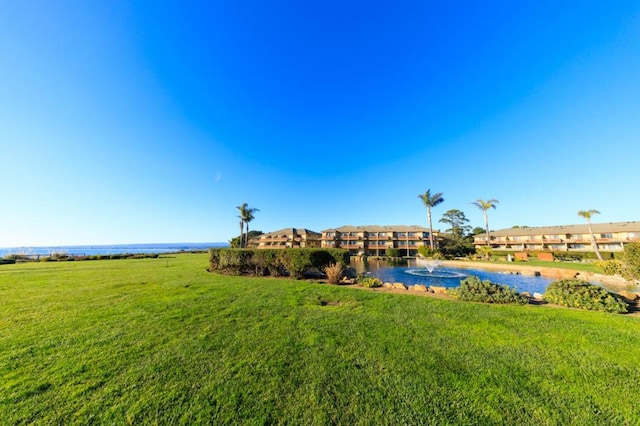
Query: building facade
(609, 237)
(287, 238)
(374, 240)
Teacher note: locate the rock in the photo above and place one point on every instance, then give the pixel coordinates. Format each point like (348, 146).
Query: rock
(629, 295)
(538, 296)
(526, 294)
(438, 290)
(387, 285)
(400, 286)
(418, 287)
(350, 273)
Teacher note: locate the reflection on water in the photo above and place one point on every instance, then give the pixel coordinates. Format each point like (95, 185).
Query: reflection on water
(411, 273)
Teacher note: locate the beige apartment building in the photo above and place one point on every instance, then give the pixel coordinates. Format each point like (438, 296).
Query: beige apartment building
(287, 238)
(609, 237)
(374, 240)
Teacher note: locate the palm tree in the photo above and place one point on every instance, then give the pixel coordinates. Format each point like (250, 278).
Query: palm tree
(431, 201)
(246, 216)
(241, 231)
(484, 206)
(587, 215)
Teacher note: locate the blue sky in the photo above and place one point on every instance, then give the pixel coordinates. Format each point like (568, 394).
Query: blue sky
(150, 121)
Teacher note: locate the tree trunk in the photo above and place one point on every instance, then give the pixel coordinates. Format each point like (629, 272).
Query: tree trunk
(486, 225)
(241, 234)
(430, 228)
(594, 244)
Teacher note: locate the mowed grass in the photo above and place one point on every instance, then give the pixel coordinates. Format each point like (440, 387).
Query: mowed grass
(163, 341)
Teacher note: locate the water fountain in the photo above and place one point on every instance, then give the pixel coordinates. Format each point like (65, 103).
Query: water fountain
(428, 268)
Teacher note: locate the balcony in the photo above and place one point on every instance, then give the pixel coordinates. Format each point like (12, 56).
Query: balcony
(275, 239)
(377, 247)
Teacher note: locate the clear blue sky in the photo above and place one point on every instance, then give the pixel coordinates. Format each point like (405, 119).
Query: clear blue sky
(150, 121)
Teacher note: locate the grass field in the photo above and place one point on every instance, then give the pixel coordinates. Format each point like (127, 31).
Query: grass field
(164, 341)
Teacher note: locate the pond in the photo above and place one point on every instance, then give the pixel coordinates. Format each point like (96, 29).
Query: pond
(436, 275)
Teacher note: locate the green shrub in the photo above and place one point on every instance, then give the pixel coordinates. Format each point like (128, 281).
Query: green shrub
(474, 290)
(425, 251)
(631, 261)
(580, 294)
(294, 262)
(369, 282)
(392, 252)
(7, 261)
(610, 267)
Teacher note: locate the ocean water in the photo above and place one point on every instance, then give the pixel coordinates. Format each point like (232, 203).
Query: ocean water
(90, 250)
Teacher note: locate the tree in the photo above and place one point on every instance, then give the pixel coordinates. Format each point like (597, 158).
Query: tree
(587, 215)
(484, 206)
(477, 230)
(457, 221)
(246, 216)
(235, 241)
(429, 201)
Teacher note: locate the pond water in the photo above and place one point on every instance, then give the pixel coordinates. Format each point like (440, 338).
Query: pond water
(411, 274)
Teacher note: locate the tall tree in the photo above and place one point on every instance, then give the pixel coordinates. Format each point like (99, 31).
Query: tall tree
(587, 215)
(484, 206)
(246, 216)
(431, 200)
(457, 221)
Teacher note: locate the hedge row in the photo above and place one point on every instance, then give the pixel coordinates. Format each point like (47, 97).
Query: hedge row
(293, 262)
(7, 261)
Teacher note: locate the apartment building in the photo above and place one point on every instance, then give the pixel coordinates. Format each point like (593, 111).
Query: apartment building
(287, 238)
(609, 237)
(374, 240)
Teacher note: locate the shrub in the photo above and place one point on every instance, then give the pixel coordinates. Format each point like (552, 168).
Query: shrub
(294, 262)
(7, 261)
(484, 252)
(580, 294)
(369, 282)
(428, 253)
(334, 273)
(474, 290)
(392, 252)
(610, 267)
(631, 261)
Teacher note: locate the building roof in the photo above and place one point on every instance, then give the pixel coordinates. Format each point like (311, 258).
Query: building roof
(290, 231)
(566, 229)
(379, 228)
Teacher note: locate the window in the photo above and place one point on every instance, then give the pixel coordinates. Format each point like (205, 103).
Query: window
(402, 234)
(606, 235)
(412, 234)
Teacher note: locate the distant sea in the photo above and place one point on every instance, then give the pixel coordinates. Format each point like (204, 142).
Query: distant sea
(90, 250)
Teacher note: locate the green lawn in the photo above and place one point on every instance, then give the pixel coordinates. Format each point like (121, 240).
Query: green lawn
(164, 341)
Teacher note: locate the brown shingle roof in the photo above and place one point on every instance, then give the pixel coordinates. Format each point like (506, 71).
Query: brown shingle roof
(567, 229)
(379, 228)
(291, 231)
